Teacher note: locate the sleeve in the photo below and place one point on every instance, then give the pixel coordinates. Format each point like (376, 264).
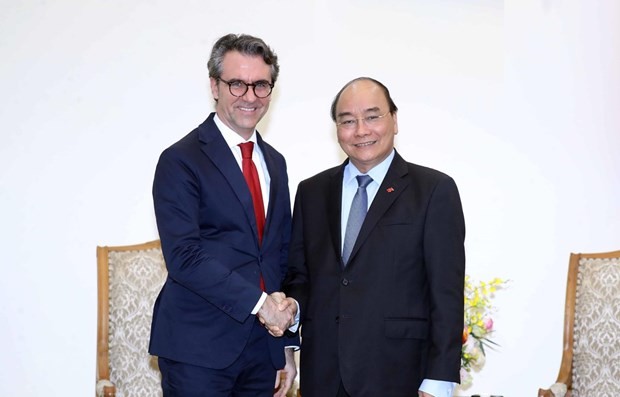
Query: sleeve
(444, 255)
(296, 281)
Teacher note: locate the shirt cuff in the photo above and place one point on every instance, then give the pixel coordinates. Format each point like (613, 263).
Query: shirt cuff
(260, 302)
(293, 328)
(437, 388)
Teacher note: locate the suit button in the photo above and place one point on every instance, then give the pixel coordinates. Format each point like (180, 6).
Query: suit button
(345, 282)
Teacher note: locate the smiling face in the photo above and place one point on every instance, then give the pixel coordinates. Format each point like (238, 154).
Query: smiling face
(242, 113)
(370, 139)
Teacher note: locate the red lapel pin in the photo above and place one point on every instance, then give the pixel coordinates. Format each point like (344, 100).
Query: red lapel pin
(390, 189)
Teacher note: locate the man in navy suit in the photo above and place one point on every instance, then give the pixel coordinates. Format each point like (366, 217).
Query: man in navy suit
(381, 313)
(214, 315)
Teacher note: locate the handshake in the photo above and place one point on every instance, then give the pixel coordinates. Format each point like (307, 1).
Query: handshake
(277, 313)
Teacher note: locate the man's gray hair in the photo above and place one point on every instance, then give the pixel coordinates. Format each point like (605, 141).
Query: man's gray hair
(246, 45)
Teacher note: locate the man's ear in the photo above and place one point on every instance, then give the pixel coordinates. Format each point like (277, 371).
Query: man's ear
(215, 91)
(394, 116)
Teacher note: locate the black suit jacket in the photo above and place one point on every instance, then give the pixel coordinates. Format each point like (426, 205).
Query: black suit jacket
(209, 239)
(394, 315)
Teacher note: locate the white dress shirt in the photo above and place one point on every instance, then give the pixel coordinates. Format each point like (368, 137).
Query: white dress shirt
(233, 140)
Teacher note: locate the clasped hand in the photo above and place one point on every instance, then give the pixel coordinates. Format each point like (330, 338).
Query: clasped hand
(277, 313)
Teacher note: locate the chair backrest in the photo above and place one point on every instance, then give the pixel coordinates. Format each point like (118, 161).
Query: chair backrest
(594, 289)
(129, 279)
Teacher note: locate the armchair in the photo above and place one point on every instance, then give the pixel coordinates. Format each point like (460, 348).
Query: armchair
(129, 279)
(590, 363)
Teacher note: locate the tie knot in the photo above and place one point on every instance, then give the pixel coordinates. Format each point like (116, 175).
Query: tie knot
(363, 180)
(246, 149)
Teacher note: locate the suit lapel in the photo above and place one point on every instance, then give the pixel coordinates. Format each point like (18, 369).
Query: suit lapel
(393, 185)
(334, 209)
(275, 177)
(215, 147)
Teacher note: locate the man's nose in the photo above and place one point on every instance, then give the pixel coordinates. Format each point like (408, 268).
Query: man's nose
(361, 129)
(249, 95)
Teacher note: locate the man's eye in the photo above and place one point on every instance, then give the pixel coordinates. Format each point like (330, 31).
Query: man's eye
(262, 84)
(371, 118)
(348, 122)
(236, 84)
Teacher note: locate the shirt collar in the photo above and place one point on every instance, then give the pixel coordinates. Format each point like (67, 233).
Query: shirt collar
(377, 173)
(231, 137)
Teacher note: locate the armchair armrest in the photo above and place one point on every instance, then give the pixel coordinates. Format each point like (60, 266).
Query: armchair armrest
(105, 388)
(556, 390)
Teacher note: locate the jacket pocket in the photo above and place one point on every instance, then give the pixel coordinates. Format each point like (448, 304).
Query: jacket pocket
(395, 220)
(406, 328)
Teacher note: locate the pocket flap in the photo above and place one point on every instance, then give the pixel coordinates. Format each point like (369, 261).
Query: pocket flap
(407, 328)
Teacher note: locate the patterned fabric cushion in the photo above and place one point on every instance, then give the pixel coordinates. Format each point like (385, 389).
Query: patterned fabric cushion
(136, 278)
(596, 361)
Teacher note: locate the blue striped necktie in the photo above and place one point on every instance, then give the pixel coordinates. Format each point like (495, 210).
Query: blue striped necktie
(359, 207)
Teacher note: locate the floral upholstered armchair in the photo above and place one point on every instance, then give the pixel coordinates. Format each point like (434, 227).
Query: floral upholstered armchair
(129, 279)
(591, 354)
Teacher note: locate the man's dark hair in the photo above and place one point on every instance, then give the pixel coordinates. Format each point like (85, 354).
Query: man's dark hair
(392, 106)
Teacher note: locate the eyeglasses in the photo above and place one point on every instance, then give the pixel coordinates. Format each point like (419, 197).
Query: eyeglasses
(238, 88)
(369, 121)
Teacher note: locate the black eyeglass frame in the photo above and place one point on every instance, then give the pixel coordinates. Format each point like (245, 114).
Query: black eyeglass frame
(247, 87)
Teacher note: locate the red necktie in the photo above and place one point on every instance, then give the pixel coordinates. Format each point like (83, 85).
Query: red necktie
(251, 177)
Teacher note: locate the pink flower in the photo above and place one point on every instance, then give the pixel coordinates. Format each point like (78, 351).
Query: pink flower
(488, 324)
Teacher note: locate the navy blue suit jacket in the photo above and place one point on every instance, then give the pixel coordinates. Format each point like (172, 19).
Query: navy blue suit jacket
(208, 233)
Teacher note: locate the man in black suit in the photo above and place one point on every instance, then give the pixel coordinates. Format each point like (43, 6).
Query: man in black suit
(225, 240)
(381, 313)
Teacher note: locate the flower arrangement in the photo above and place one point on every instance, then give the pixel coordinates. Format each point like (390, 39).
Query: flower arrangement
(478, 326)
